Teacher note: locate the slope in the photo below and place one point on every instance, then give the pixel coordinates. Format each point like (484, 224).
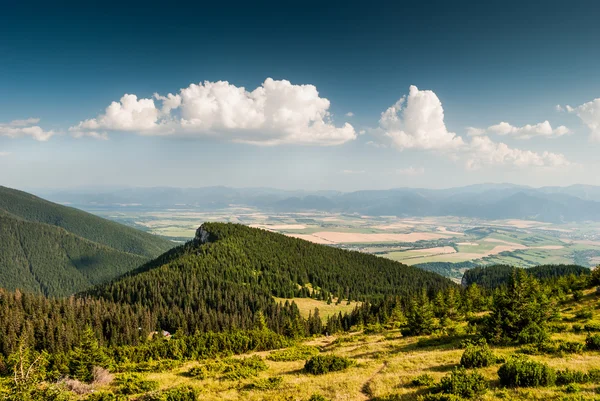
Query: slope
(47, 259)
(229, 272)
(119, 237)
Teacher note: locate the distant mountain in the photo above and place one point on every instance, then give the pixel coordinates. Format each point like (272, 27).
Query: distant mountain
(58, 250)
(486, 201)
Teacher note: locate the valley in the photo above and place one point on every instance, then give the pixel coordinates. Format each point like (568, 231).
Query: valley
(448, 245)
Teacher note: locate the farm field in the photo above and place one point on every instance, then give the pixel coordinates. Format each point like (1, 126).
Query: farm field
(414, 241)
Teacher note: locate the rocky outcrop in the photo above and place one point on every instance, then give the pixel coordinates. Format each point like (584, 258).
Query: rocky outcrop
(202, 236)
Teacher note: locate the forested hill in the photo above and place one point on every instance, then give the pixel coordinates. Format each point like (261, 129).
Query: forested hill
(85, 225)
(57, 251)
(498, 275)
(230, 271)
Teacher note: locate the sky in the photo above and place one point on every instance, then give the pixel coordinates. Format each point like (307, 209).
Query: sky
(343, 95)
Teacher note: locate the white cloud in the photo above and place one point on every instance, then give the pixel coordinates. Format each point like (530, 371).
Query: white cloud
(472, 131)
(417, 122)
(22, 128)
(277, 112)
(411, 171)
(589, 113)
(4, 154)
(483, 151)
(349, 114)
(559, 108)
(543, 130)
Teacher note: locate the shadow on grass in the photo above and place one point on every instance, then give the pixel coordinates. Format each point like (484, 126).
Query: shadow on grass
(443, 368)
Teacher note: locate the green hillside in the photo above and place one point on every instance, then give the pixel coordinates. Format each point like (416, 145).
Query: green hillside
(57, 250)
(114, 235)
(230, 272)
(47, 259)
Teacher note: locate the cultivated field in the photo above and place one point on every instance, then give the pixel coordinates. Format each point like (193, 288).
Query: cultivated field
(414, 241)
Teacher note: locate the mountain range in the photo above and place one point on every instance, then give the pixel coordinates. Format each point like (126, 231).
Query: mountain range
(487, 201)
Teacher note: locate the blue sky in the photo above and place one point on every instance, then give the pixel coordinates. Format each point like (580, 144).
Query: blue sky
(479, 81)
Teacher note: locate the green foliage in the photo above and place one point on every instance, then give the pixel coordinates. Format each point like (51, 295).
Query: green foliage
(106, 396)
(592, 327)
(463, 383)
(423, 380)
(321, 364)
(133, 383)
(420, 316)
(567, 376)
(150, 366)
(57, 250)
(181, 393)
(592, 342)
(88, 355)
(477, 356)
(572, 388)
(499, 275)
(298, 353)
(520, 311)
(318, 397)
(229, 368)
(439, 397)
(269, 383)
(522, 372)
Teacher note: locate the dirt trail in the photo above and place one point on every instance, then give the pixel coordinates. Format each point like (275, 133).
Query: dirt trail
(365, 390)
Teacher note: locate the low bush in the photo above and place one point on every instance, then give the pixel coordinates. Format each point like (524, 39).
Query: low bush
(439, 397)
(158, 366)
(577, 328)
(592, 327)
(269, 383)
(229, 368)
(182, 393)
(568, 376)
(462, 383)
(106, 396)
(477, 356)
(132, 383)
(321, 364)
(423, 380)
(558, 327)
(572, 388)
(522, 372)
(299, 353)
(592, 342)
(584, 314)
(533, 334)
(318, 397)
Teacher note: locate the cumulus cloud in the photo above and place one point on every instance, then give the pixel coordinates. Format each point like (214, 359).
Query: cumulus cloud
(540, 130)
(23, 128)
(411, 171)
(589, 113)
(277, 112)
(416, 121)
(349, 114)
(472, 131)
(483, 151)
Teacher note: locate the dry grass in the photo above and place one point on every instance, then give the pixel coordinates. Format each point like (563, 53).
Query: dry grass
(385, 365)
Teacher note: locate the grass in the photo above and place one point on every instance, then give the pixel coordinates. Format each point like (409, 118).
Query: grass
(308, 305)
(385, 366)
